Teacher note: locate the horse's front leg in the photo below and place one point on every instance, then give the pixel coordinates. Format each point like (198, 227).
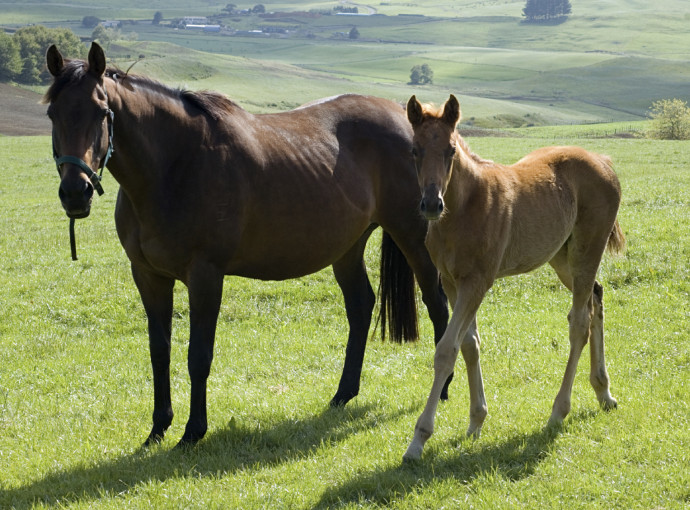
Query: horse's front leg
(464, 310)
(205, 285)
(157, 296)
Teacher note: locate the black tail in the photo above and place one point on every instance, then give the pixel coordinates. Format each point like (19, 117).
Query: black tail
(398, 305)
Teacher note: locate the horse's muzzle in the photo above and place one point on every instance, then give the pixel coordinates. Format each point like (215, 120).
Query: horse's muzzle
(76, 199)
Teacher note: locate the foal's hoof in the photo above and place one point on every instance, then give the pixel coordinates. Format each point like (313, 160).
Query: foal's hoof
(413, 454)
(609, 404)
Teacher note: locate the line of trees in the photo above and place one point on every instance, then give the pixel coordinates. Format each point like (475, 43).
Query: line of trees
(544, 10)
(22, 55)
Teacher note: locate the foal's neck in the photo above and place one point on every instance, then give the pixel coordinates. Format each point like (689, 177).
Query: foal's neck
(465, 176)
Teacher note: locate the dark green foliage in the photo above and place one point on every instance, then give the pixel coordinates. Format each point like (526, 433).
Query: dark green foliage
(90, 21)
(33, 42)
(421, 75)
(542, 10)
(10, 62)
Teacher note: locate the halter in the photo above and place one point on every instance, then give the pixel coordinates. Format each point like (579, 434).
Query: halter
(94, 177)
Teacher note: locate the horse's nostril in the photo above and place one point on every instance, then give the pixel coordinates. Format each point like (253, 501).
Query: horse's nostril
(88, 191)
(422, 205)
(440, 206)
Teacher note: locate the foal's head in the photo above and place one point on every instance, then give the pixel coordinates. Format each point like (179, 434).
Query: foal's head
(433, 151)
(78, 109)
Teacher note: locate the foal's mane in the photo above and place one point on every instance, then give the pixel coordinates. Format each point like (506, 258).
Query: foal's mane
(213, 104)
(436, 112)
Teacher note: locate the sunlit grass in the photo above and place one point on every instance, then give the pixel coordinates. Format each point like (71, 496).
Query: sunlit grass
(76, 395)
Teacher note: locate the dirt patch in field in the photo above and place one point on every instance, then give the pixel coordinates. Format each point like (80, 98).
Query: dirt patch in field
(21, 112)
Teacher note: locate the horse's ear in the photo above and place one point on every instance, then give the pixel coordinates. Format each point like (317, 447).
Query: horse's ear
(54, 61)
(96, 60)
(414, 111)
(451, 111)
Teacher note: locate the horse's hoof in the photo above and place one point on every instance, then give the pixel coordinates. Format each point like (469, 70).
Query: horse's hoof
(340, 401)
(152, 440)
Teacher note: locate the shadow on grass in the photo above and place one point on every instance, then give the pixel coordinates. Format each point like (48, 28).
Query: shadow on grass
(236, 448)
(514, 459)
(229, 450)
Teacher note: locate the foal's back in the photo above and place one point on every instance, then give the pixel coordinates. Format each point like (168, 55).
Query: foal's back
(529, 210)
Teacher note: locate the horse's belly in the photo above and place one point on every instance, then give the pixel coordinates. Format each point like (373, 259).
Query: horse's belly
(279, 254)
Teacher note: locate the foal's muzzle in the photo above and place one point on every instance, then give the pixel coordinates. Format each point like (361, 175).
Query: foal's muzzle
(431, 206)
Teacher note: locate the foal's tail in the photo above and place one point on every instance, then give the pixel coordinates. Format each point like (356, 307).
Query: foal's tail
(616, 244)
(398, 306)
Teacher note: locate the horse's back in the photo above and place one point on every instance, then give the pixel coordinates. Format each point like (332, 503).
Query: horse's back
(314, 180)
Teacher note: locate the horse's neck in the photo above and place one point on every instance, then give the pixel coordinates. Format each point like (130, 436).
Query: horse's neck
(147, 136)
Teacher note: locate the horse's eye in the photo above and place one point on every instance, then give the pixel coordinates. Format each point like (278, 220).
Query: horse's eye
(414, 151)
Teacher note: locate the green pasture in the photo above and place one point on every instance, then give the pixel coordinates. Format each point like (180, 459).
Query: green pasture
(607, 62)
(76, 392)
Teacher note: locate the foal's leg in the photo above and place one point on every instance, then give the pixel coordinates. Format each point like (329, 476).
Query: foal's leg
(157, 296)
(351, 274)
(599, 377)
(464, 312)
(469, 346)
(205, 285)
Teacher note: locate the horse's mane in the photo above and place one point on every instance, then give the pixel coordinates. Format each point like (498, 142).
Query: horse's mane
(213, 104)
(436, 112)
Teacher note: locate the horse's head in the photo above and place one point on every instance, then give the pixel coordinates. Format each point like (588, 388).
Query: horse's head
(433, 150)
(82, 126)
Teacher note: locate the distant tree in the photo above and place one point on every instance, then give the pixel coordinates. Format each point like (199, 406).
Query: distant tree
(33, 42)
(542, 10)
(90, 21)
(259, 9)
(105, 36)
(157, 18)
(354, 33)
(421, 75)
(670, 120)
(230, 8)
(10, 61)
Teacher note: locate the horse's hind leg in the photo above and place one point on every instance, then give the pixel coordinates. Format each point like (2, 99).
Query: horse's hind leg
(351, 274)
(433, 296)
(599, 377)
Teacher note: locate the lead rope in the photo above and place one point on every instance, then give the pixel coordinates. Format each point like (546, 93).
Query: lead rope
(72, 240)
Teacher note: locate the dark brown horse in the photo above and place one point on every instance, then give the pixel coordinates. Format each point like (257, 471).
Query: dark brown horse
(208, 189)
(557, 205)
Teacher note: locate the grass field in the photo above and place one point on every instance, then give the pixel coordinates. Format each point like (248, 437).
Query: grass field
(76, 395)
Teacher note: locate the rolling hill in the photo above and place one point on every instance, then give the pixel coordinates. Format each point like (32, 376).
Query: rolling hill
(605, 63)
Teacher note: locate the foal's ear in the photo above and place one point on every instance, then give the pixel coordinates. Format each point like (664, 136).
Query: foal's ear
(96, 61)
(54, 61)
(414, 111)
(451, 111)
